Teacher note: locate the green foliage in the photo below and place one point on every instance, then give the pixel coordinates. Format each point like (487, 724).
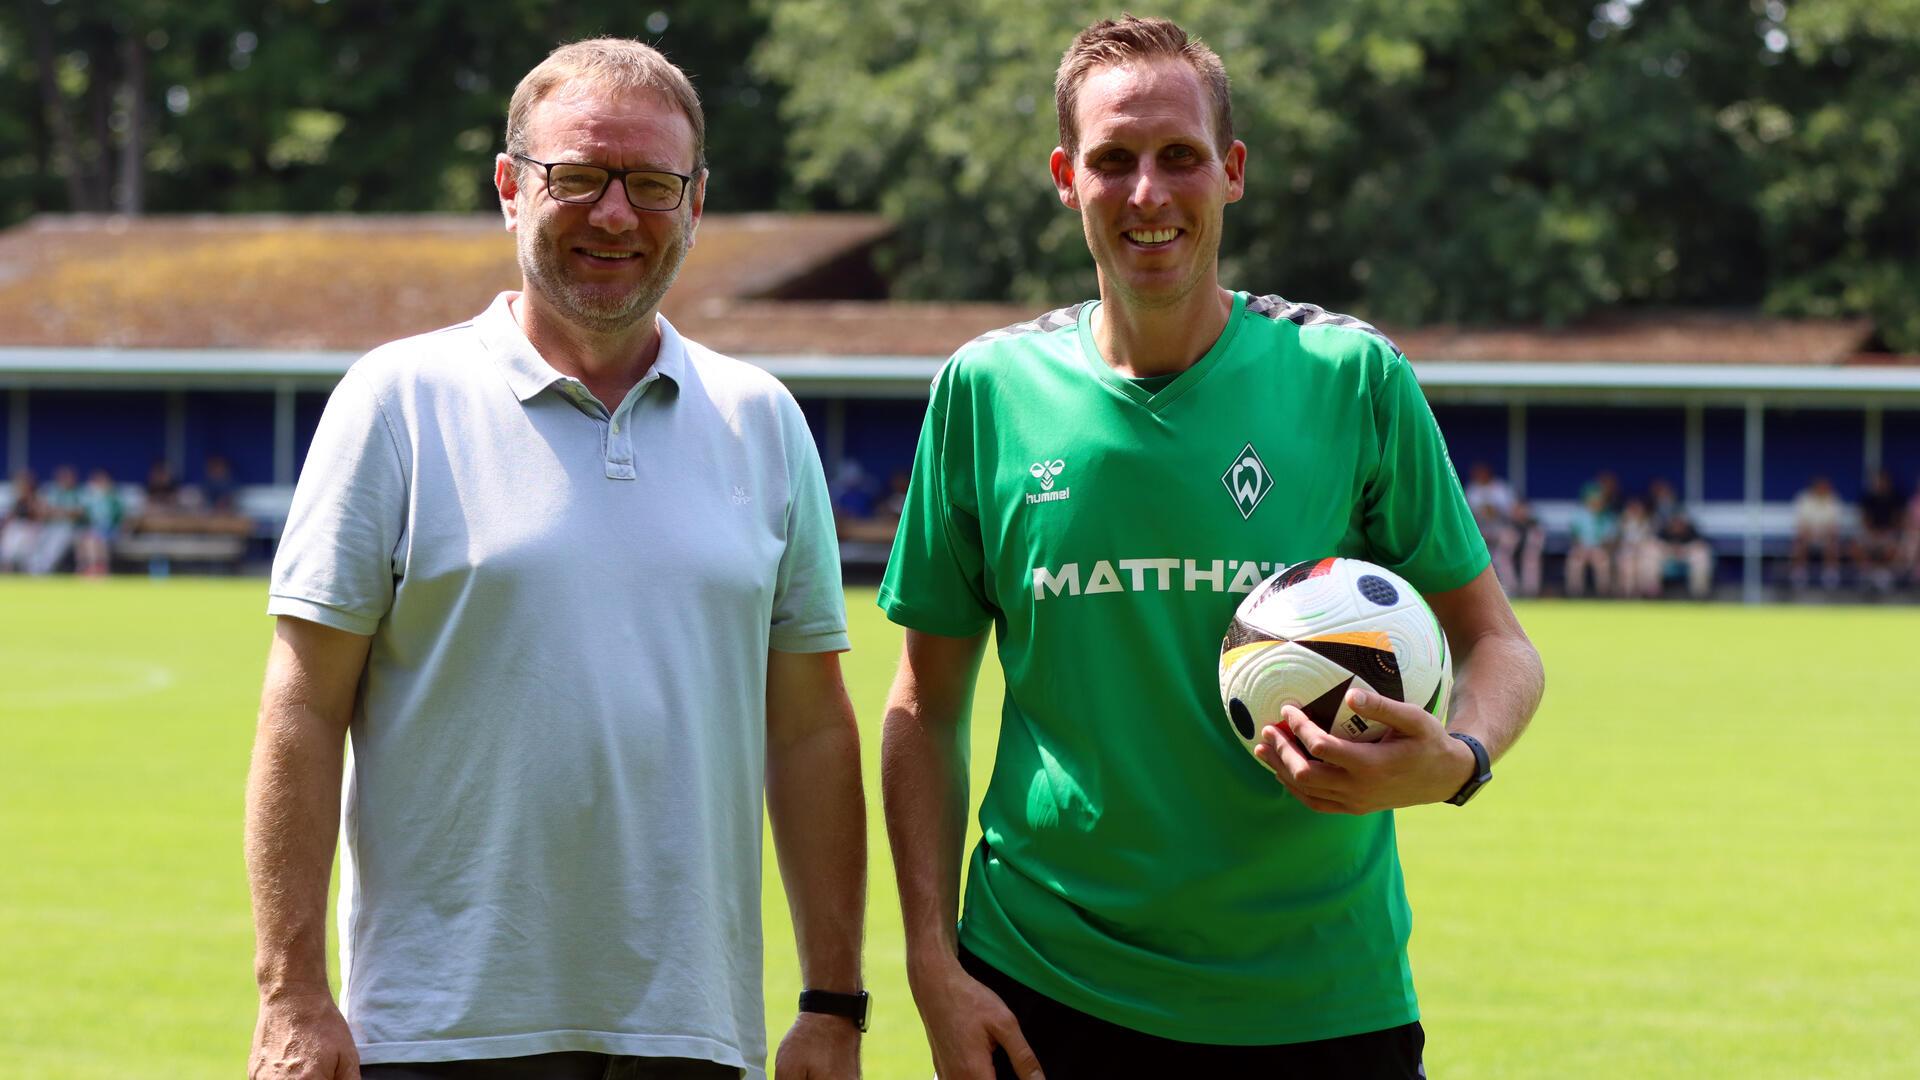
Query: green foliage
(1469, 160)
(1840, 178)
(314, 105)
(1411, 160)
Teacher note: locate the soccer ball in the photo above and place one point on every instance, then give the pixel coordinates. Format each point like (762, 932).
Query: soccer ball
(1314, 630)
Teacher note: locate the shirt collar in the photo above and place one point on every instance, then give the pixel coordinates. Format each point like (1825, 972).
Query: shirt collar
(528, 373)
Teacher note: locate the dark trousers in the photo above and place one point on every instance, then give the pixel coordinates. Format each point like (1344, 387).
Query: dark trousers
(568, 1065)
(1074, 1046)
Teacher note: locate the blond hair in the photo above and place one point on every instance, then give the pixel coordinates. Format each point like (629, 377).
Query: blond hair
(607, 63)
(1129, 39)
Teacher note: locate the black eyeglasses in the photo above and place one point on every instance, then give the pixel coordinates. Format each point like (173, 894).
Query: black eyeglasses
(647, 189)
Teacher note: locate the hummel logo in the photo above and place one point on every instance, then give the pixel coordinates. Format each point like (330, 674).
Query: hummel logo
(1247, 480)
(1045, 471)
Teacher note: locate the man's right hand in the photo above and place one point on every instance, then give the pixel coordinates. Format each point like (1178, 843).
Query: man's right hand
(965, 1022)
(302, 1037)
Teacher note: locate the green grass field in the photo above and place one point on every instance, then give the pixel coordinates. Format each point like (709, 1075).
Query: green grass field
(1703, 860)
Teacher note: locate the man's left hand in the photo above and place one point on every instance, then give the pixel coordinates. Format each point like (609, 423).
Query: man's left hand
(819, 1047)
(1417, 762)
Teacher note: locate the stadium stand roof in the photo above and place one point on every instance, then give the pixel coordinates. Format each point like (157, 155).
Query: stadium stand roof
(89, 299)
(350, 282)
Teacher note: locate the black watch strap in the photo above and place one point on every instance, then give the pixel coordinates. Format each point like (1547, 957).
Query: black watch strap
(1482, 769)
(856, 1007)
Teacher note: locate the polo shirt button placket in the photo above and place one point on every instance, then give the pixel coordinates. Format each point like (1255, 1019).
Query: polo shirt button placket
(620, 447)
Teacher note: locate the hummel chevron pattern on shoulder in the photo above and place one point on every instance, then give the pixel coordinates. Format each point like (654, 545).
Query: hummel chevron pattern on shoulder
(1053, 320)
(1277, 308)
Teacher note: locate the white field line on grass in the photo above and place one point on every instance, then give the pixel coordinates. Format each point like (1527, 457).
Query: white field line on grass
(60, 679)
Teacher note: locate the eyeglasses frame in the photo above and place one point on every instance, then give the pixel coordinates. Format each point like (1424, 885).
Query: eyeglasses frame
(546, 175)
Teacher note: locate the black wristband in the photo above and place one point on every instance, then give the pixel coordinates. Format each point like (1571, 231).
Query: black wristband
(1482, 769)
(857, 1007)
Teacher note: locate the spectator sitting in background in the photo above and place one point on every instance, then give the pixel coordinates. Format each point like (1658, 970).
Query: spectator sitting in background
(162, 499)
(1529, 542)
(1681, 545)
(1608, 485)
(163, 491)
(1876, 552)
(894, 504)
(1593, 529)
(1816, 526)
(172, 510)
(1491, 501)
(853, 490)
(856, 502)
(1662, 502)
(20, 523)
(217, 489)
(60, 514)
(1682, 549)
(1637, 552)
(1488, 496)
(101, 510)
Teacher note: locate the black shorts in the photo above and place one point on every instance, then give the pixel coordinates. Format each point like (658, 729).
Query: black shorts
(1072, 1045)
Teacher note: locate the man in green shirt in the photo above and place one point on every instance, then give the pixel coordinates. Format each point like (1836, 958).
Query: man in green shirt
(1102, 486)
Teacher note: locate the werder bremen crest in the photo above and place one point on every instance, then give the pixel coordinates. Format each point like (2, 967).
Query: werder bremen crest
(1247, 480)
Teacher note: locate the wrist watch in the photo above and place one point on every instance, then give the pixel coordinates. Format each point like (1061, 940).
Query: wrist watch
(857, 1007)
(1482, 770)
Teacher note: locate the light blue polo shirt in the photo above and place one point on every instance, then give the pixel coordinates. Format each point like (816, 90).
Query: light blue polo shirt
(553, 807)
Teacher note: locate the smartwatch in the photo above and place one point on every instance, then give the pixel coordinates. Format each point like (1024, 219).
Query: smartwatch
(857, 1007)
(1482, 770)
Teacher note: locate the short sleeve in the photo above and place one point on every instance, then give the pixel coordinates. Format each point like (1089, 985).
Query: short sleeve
(935, 581)
(1417, 520)
(335, 562)
(809, 609)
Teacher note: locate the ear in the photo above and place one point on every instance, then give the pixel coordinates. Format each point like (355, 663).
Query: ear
(506, 182)
(696, 205)
(1062, 168)
(1236, 164)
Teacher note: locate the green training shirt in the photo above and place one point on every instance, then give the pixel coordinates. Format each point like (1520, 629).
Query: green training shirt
(1137, 864)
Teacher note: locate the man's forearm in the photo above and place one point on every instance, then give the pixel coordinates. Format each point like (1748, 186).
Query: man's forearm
(820, 835)
(926, 794)
(293, 815)
(923, 783)
(1499, 686)
(1499, 679)
(293, 799)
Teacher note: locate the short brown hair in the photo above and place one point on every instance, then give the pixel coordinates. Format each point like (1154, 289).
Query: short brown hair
(1130, 39)
(610, 63)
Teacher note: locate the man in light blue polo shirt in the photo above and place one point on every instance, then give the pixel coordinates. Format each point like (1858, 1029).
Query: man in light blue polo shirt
(570, 581)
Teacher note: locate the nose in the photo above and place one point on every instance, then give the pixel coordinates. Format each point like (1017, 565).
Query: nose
(1149, 187)
(613, 213)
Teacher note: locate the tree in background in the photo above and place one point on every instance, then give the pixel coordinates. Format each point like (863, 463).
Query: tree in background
(1412, 160)
(1416, 160)
(318, 105)
(1838, 157)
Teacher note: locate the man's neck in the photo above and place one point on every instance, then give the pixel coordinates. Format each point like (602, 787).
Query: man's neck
(610, 364)
(1140, 343)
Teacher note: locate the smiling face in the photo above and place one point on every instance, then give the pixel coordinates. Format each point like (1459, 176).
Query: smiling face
(1150, 181)
(603, 266)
